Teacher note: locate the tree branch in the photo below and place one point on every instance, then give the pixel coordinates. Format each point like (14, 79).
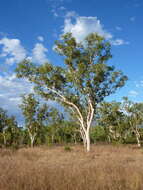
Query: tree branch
(80, 118)
(90, 115)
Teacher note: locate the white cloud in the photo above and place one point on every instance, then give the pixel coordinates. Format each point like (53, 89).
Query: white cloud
(71, 14)
(119, 42)
(12, 50)
(84, 26)
(139, 84)
(10, 90)
(132, 19)
(58, 10)
(39, 53)
(54, 11)
(118, 28)
(10, 86)
(81, 26)
(133, 93)
(62, 8)
(40, 38)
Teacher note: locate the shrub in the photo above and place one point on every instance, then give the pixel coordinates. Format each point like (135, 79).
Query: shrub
(67, 148)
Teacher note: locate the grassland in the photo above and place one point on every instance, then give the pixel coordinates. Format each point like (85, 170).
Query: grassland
(106, 167)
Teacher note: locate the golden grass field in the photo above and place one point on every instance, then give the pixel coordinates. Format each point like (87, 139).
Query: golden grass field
(106, 167)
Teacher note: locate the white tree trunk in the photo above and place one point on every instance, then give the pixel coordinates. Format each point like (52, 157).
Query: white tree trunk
(84, 125)
(138, 139)
(84, 142)
(4, 137)
(32, 138)
(109, 138)
(74, 138)
(82, 133)
(52, 139)
(88, 141)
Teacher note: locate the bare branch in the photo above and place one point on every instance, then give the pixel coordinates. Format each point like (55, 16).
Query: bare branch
(67, 102)
(90, 115)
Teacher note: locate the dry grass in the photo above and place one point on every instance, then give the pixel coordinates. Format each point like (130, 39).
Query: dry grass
(105, 168)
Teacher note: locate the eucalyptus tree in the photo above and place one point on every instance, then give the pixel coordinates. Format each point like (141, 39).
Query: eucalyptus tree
(134, 114)
(12, 131)
(8, 126)
(83, 81)
(3, 123)
(34, 113)
(113, 119)
(55, 120)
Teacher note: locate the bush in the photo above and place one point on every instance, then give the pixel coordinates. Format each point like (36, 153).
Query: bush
(14, 147)
(67, 148)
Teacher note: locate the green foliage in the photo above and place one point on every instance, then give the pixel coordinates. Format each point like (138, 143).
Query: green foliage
(9, 130)
(85, 74)
(98, 134)
(35, 115)
(112, 117)
(134, 112)
(67, 149)
(130, 140)
(63, 132)
(14, 147)
(3, 119)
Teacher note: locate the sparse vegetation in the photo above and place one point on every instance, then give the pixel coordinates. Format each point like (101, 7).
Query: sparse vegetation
(106, 167)
(67, 148)
(56, 159)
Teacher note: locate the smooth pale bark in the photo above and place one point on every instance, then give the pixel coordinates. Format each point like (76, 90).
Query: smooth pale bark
(114, 134)
(138, 138)
(84, 125)
(4, 138)
(89, 122)
(137, 134)
(32, 138)
(83, 137)
(85, 134)
(109, 138)
(74, 138)
(52, 138)
(84, 142)
(88, 142)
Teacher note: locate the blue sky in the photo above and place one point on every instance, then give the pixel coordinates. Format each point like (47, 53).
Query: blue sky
(28, 28)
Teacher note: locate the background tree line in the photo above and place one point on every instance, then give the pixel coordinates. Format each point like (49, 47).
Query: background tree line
(116, 123)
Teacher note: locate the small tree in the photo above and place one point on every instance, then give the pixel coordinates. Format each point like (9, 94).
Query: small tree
(82, 83)
(55, 119)
(3, 124)
(34, 115)
(8, 127)
(113, 119)
(12, 131)
(134, 114)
